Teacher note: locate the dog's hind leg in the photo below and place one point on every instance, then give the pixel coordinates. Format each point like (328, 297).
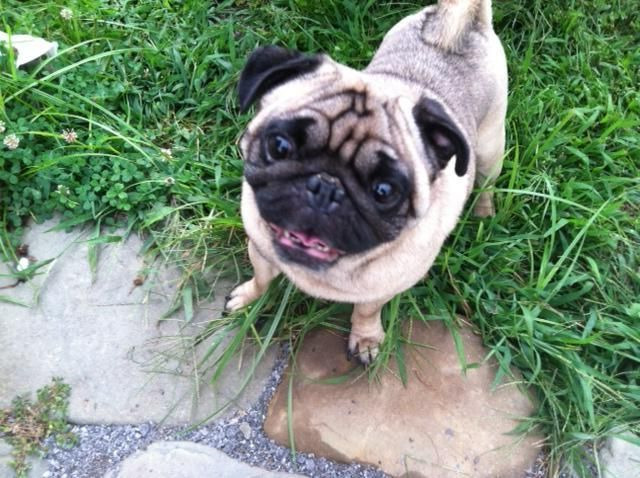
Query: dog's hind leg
(491, 131)
(489, 156)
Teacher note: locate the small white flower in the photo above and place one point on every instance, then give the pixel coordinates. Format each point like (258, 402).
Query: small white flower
(166, 153)
(11, 141)
(69, 135)
(3, 127)
(62, 189)
(23, 263)
(169, 181)
(66, 13)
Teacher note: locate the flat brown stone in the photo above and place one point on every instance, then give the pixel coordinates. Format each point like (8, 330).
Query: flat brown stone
(443, 424)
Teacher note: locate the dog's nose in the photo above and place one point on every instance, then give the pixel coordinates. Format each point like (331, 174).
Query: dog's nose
(325, 192)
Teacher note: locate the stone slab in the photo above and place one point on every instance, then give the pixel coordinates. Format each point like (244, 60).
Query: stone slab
(188, 460)
(104, 338)
(443, 424)
(621, 458)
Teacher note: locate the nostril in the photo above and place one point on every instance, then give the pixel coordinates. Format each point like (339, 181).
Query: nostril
(314, 183)
(338, 195)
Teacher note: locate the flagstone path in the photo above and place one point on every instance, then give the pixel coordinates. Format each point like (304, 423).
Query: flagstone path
(102, 335)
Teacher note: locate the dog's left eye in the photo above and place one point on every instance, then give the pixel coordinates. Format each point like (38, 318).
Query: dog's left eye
(279, 147)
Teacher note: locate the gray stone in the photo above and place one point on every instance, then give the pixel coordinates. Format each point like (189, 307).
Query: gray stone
(620, 458)
(104, 338)
(187, 460)
(5, 458)
(443, 424)
(38, 465)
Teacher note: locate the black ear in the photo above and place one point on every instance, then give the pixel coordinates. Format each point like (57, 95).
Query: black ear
(270, 66)
(440, 135)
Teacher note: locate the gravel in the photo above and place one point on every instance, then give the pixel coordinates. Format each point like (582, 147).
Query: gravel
(101, 448)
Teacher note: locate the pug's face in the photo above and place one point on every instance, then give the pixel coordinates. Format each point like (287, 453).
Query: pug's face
(337, 165)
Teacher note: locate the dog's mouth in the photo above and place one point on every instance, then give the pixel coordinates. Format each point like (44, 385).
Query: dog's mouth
(298, 242)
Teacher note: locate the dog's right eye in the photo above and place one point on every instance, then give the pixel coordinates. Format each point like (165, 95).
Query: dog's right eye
(279, 147)
(382, 191)
(385, 193)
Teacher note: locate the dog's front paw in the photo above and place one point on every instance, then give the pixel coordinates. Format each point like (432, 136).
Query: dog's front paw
(242, 296)
(365, 346)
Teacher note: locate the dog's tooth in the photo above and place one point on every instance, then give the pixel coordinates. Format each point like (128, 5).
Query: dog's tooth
(322, 247)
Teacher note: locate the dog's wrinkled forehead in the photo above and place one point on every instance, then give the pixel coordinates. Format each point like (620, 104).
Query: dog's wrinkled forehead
(346, 121)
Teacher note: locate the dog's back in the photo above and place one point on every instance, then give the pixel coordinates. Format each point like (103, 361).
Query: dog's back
(450, 50)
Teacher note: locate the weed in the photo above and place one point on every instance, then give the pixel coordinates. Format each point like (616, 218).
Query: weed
(25, 425)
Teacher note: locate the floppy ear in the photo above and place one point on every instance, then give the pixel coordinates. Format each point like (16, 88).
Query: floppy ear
(440, 135)
(270, 66)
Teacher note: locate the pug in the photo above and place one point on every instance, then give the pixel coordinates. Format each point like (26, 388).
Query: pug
(354, 179)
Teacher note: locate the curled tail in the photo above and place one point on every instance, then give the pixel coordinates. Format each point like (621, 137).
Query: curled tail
(457, 16)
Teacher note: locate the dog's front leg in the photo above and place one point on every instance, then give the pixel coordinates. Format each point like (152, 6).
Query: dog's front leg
(263, 273)
(366, 331)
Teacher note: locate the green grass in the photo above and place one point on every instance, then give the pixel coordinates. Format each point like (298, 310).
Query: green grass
(552, 283)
